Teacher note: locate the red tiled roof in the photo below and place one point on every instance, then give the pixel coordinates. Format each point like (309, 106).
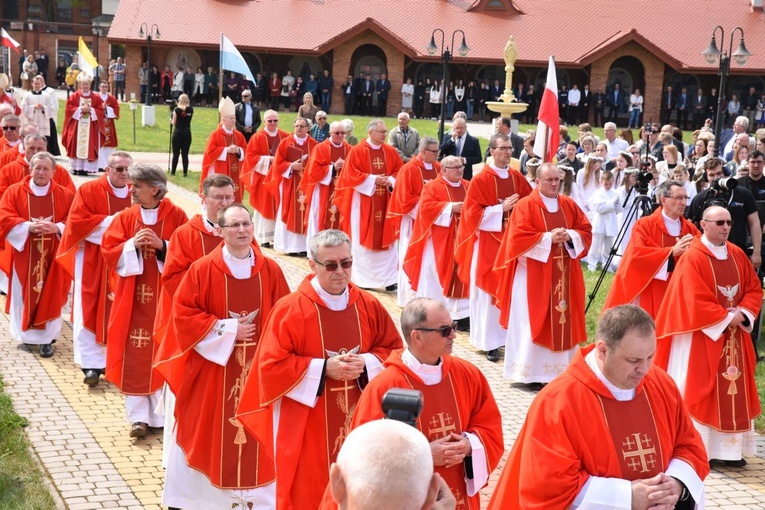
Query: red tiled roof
(576, 33)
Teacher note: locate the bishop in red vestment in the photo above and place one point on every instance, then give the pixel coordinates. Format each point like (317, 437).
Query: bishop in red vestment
(404, 203)
(111, 113)
(83, 125)
(32, 216)
(362, 195)
(608, 432)
(134, 247)
(541, 285)
(655, 247)
(704, 341)
(16, 170)
(258, 159)
(488, 206)
(459, 417)
(283, 181)
(320, 346)
(224, 152)
(218, 315)
(95, 205)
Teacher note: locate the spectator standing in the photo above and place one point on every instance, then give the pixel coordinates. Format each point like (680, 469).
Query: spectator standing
(119, 79)
(326, 84)
(143, 80)
(211, 86)
(636, 108)
(181, 121)
(407, 96)
(288, 83)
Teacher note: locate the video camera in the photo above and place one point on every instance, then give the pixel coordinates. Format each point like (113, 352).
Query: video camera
(402, 405)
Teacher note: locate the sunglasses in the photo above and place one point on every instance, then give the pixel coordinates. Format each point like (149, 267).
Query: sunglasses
(720, 223)
(119, 169)
(272, 120)
(332, 266)
(10, 128)
(445, 331)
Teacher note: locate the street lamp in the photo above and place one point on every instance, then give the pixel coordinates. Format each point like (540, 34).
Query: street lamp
(446, 57)
(96, 30)
(711, 54)
(148, 33)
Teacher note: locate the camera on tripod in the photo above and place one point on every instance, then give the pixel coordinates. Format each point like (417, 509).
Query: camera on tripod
(402, 405)
(721, 189)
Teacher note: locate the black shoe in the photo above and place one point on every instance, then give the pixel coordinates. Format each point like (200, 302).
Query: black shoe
(463, 324)
(536, 386)
(735, 463)
(265, 245)
(91, 377)
(100, 169)
(391, 288)
(46, 351)
(492, 355)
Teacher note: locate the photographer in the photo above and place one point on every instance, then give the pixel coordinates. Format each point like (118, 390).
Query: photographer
(746, 232)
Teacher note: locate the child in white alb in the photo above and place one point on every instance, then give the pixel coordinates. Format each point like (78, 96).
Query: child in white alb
(605, 205)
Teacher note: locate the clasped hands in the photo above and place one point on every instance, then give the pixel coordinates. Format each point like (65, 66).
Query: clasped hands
(43, 227)
(682, 245)
(345, 367)
(658, 493)
(383, 181)
(560, 235)
(450, 450)
(509, 202)
(146, 238)
(232, 149)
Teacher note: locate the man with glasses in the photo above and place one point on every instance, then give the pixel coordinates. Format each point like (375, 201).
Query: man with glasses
(320, 130)
(218, 315)
(83, 123)
(258, 160)
(488, 206)
(405, 202)
(11, 124)
(95, 205)
(225, 149)
(363, 192)
(706, 348)
(541, 285)
(656, 244)
(283, 181)
(459, 418)
(111, 113)
(15, 171)
(320, 347)
(247, 115)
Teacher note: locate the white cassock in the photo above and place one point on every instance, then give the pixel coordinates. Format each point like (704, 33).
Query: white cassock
(264, 227)
(38, 117)
(616, 493)
(585, 191)
(405, 292)
(605, 207)
(284, 240)
(429, 285)
(371, 269)
(626, 200)
(17, 238)
(185, 487)
(719, 445)
(88, 353)
(105, 152)
(525, 361)
(141, 408)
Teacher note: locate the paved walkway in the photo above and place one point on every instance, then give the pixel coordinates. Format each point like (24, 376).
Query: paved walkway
(81, 435)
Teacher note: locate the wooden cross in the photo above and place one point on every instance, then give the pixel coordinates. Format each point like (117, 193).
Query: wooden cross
(642, 452)
(144, 293)
(140, 338)
(378, 163)
(441, 423)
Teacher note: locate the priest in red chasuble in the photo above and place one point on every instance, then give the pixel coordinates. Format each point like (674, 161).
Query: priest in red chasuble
(95, 205)
(707, 348)
(283, 181)
(363, 192)
(404, 203)
(16, 170)
(488, 206)
(656, 245)
(11, 134)
(134, 247)
(610, 433)
(541, 285)
(429, 264)
(258, 159)
(319, 180)
(224, 152)
(219, 311)
(320, 347)
(83, 127)
(32, 216)
(111, 113)
(460, 417)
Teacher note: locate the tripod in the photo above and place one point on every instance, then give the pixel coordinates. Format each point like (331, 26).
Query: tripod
(642, 206)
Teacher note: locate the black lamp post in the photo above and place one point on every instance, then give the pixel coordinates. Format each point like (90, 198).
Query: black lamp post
(711, 54)
(446, 57)
(96, 30)
(148, 34)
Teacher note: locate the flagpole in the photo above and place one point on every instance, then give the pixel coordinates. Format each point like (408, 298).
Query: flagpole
(220, 73)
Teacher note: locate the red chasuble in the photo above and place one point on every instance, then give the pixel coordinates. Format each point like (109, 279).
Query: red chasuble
(556, 286)
(130, 350)
(71, 137)
(649, 248)
(207, 394)
(44, 284)
(216, 143)
(576, 429)
(720, 390)
(19, 168)
(376, 232)
(486, 189)
(261, 144)
(301, 328)
(110, 129)
(94, 201)
(412, 177)
(8, 154)
(435, 196)
(292, 198)
(323, 155)
(461, 402)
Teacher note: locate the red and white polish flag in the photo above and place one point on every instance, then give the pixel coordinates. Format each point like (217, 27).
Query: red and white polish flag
(548, 129)
(8, 40)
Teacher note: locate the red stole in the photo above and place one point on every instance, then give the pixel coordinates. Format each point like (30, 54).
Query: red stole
(379, 200)
(331, 216)
(445, 244)
(488, 248)
(293, 199)
(232, 161)
(636, 440)
(34, 262)
(650, 300)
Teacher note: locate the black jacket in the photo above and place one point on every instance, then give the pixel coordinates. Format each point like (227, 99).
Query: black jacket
(471, 151)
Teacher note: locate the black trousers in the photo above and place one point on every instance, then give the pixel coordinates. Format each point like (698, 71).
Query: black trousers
(181, 145)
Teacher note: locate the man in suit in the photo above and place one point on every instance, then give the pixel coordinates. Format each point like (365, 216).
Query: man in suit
(668, 101)
(247, 115)
(383, 87)
(599, 107)
(326, 83)
(749, 104)
(614, 100)
(462, 145)
(712, 100)
(367, 92)
(504, 127)
(349, 95)
(728, 137)
(683, 106)
(584, 109)
(699, 105)
(563, 103)
(358, 86)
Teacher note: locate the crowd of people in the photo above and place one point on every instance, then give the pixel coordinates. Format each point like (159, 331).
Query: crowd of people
(260, 390)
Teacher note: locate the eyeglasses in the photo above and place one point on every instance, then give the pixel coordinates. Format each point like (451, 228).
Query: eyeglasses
(339, 133)
(680, 197)
(381, 131)
(445, 331)
(332, 266)
(454, 167)
(503, 148)
(431, 150)
(119, 169)
(221, 198)
(10, 128)
(720, 223)
(321, 118)
(756, 162)
(237, 226)
(272, 120)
